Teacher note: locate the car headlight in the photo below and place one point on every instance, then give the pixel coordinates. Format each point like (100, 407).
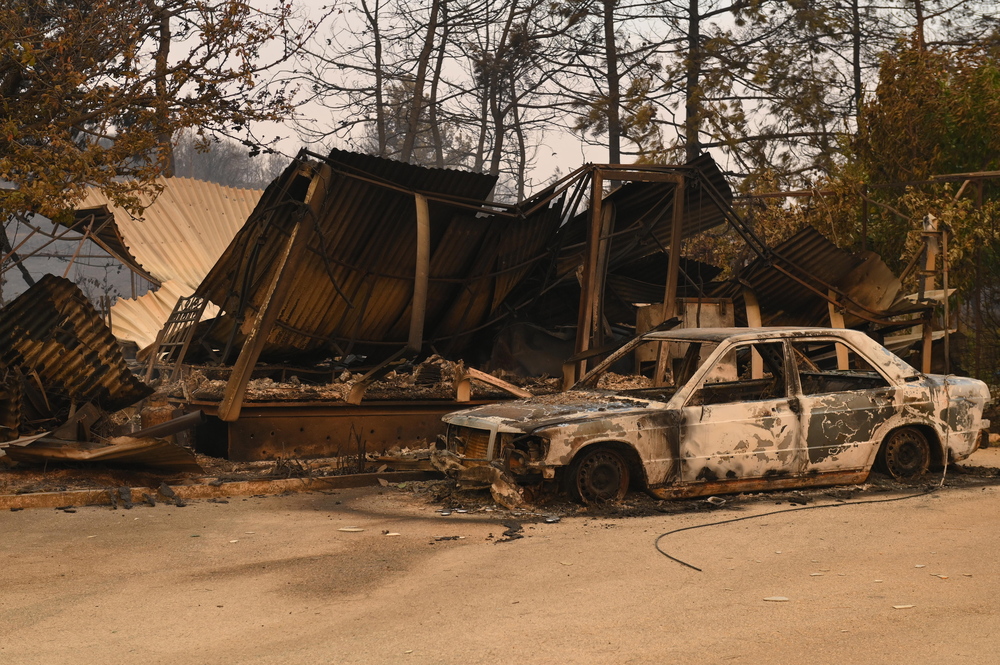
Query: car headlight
(523, 451)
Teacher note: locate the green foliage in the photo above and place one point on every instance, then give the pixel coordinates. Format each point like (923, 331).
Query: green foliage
(91, 91)
(933, 112)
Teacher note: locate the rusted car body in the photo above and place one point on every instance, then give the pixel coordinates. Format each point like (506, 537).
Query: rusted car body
(731, 410)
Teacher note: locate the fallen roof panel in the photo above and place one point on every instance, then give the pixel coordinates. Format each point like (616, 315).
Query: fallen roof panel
(174, 242)
(146, 451)
(816, 261)
(52, 329)
(140, 319)
(182, 232)
(353, 290)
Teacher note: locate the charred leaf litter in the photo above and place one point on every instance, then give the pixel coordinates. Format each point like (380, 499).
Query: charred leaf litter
(449, 497)
(454, 501)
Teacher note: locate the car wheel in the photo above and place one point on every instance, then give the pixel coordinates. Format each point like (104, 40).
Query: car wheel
(599, 475)
(906, 453)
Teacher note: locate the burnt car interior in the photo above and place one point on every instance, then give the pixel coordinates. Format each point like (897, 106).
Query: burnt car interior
(678, 371)
(827, 367)
(747, 387)
(749, 372)
(754, 372)
(735, 377)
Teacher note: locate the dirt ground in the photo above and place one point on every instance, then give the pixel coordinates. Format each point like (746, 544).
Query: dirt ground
(277, 580)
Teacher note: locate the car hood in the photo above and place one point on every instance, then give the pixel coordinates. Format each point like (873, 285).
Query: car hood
(529, 414)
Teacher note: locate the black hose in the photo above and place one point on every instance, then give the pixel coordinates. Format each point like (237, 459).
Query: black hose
(775, 512)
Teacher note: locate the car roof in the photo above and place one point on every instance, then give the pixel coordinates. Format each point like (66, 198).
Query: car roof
(740, 334)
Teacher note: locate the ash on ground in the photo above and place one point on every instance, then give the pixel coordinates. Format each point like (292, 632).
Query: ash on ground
(433, 379)
(447, 494)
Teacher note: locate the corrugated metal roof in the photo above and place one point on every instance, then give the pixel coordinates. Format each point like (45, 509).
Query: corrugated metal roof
(355, 286)
(52, 329)
(182, 232)
(140, 319)
(812, 258)
(644, 216)
(176, 241)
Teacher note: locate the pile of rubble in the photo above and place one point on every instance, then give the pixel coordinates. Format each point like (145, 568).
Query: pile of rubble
(434, 379)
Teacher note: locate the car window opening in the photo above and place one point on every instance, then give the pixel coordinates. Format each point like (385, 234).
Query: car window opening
(745, 373)
(829, 367)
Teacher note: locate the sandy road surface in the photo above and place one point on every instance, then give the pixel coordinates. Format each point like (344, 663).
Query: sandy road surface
(170, 585)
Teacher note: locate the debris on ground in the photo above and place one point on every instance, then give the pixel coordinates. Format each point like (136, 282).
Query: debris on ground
(503, 487)
(552, 506)
(514, 532)
(170, 495)
(56, 353)
(405, 459)
(146, 451)
(433, 379)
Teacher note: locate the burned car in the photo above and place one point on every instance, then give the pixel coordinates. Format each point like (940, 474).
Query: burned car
(711, 411)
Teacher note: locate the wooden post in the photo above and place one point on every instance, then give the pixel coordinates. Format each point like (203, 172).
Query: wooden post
(978, 296)
(674, 265)
(673, 273)
(274, 300)
(753, 321)
(588, 287)
(597, 321)
(927, 283)
(421, 277)
(837, 321)
(947, 304)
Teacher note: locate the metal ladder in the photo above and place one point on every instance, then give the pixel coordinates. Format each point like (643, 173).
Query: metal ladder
(175, 336)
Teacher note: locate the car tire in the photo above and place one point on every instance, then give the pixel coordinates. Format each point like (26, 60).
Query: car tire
(599, 474)
(905, 453)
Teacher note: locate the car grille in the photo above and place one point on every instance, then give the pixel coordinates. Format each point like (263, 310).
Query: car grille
(474, 443)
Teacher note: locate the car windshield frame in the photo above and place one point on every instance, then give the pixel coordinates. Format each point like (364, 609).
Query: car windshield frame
(690, 336)
(590, 379)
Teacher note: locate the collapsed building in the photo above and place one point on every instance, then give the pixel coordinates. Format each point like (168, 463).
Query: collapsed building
(173, 244)
(361, 298)
(61, 374)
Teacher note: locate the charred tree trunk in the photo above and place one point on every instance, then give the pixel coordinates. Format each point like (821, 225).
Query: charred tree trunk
(496, 77)
(856, 52)
(413, 117)
(162, 60)
(918, 9)
(379, 76)
(432, 103)
(480, 156)
(522, 150)
(692, 87)
(614, 84)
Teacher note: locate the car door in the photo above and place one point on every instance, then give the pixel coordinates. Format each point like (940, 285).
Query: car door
(844, 401)
(741, 421)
